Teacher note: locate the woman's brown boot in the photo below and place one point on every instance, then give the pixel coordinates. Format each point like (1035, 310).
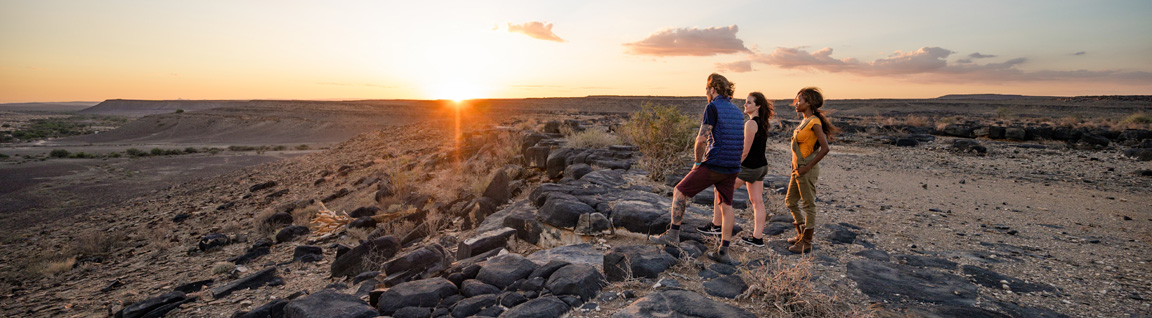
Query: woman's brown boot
(804, 244)
(799, 233)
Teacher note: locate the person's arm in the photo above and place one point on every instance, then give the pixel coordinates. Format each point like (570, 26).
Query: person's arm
(823, 140)
(750, 129)
(702, 142)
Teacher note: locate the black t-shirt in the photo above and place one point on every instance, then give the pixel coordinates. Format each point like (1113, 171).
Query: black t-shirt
(756, 158)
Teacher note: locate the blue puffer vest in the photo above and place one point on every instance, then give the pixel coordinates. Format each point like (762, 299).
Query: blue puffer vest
(727, 137)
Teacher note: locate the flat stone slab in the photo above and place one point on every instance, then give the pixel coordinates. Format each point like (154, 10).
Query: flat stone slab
(680, 303)
(583, 253)
(896, 283)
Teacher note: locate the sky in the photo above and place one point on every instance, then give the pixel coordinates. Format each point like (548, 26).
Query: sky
(53, 50)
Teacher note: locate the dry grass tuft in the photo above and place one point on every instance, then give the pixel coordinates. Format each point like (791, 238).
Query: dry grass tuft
(222, 268)
(663, 134)
(358, 234)
(56, 267)
(790, 289)
(96, 242)
(592, 139)
(263, 228)
(398, 228)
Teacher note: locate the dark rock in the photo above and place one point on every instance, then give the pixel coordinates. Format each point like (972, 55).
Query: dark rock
(419, 293)
(420, 263)
(895, 282)
(273, 309)
(990, 279)
(906, 142)
(181, 217)
(511, 299)
(365, 276)
(576, 171)
(582, 253)
(1014, 310)
(476, 211)
(549, 306)
(329, 303)
(472, 288)
(366, 222)
(546, 270)
(211, 241)
(523, 219)
(261, 186)
(925, 261)
(484, 242)
(364, 211)
(876, 255)
(504, 269)
(449, 301)
(680, 303)
(365, 257)
(1095, 140)
(155, 306)
(276, 194)
(556, 162)
(497, 189)
(493, 311)
(294, 205)
(578, 280)
(1142, 154)
(252, 253)
(255, 280)
(226, 205)
(308, 253)
(592, 223)
(533, 284)
(839, 234)
(336, 286)
(561, 211)
(689, 249)
(708, 274)
(727, 286)
(413, 312)
(1015, 133)
(572, 301)
(625, 262)
(958, 130)
(338, 194)
(723, 269)
(537, 157)
(193, 286)
(607, 178)
(777, 228)
(640, 217)
(472, 305)
(279, 219)
(966, 145)
(291, 233)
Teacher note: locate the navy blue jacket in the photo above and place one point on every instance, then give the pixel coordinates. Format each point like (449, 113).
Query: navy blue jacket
(727, 141)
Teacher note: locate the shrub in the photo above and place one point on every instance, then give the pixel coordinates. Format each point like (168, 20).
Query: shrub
(214, 150)
(279, 148)
(114, 155)
(1138, 118)
(133, 152)
(1002, 112)
(157, 152)
(3, 156)
(592, 139)
(242, 148)
(302, 147)
(178, 111)
(81, 155)
(663, 135)
(191, 150)
(222, 268)
(56, 267)
(58, 153)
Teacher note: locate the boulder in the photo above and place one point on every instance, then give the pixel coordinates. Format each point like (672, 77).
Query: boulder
(576, 171)
(420, 263)
(640, 217)
(630, 261)
(556, 162)
(259, 249)
(336, 195)
(366, 257)
(255, 280)
(895, 283)
(680, 303)
(473, 305)
(511, 299)
(329, 303)
(1142, 154)
(546, 270)
(291, 233)
(1015, 133)
(966, 145)
(522, 218)
(537, 157)
(958, 130)
(548, 306)
(582, 253)
(607, 178)
(727, 286)
(211, 241)
(925, 261)
(413, 312)
(497, 189)
(278, 219)
(501, 271)
(581, 280)
(274, 308)
(307, 253)
(906, 142)
(563, 211)
(1095, 140)
(365, 222)
(261, 186)
(592, 223)
(194, 286)
(476, 211)
(364, 211)
(418, 293)
(484, 242)
(472, 288)
(155, 306)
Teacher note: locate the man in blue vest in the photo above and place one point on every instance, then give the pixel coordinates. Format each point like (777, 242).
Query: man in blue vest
(717, 162)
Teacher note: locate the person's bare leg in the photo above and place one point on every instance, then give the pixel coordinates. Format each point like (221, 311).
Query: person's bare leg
(672, 236)
(729, 221)
(756, 199)
(716, 207)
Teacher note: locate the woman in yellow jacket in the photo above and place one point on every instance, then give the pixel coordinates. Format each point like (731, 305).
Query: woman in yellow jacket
(809, 145)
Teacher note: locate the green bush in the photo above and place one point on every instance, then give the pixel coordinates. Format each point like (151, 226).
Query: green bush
(663, 135)
(82, 155)
(242, 148)
(303, 147)
(214, 150)
(58, 153)
(178, 111)
(279, 148)
(114, 155)
(133, 152)
(157, 152)
(191, 150)
(3, 156)
(1138, 118)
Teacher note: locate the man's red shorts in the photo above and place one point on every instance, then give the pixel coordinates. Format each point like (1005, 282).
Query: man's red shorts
(702, 177)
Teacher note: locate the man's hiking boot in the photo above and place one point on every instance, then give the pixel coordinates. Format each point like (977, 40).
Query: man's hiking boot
(805, 243)
(720, 255)
(710, 229)
(799, 232)
(757, 242)
(671, 237)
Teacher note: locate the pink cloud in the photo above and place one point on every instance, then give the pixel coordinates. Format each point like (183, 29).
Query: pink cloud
(689, 42)
(536, 30)
(735, 67)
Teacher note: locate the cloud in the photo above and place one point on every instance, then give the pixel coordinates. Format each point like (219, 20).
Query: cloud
(689, 42)
(735, 67)
(536, 30)
(1080, 53)
(931, 64)
(977, 55)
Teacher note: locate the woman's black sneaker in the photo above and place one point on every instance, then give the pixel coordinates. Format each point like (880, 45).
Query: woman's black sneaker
(710, 229)
(758, 242)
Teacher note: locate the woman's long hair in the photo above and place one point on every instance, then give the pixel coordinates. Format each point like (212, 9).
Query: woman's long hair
(815, 100)
(721, 85)
(765, 110)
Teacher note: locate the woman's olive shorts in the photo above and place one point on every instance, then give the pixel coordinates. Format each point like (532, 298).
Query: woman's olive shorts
(752, 174)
